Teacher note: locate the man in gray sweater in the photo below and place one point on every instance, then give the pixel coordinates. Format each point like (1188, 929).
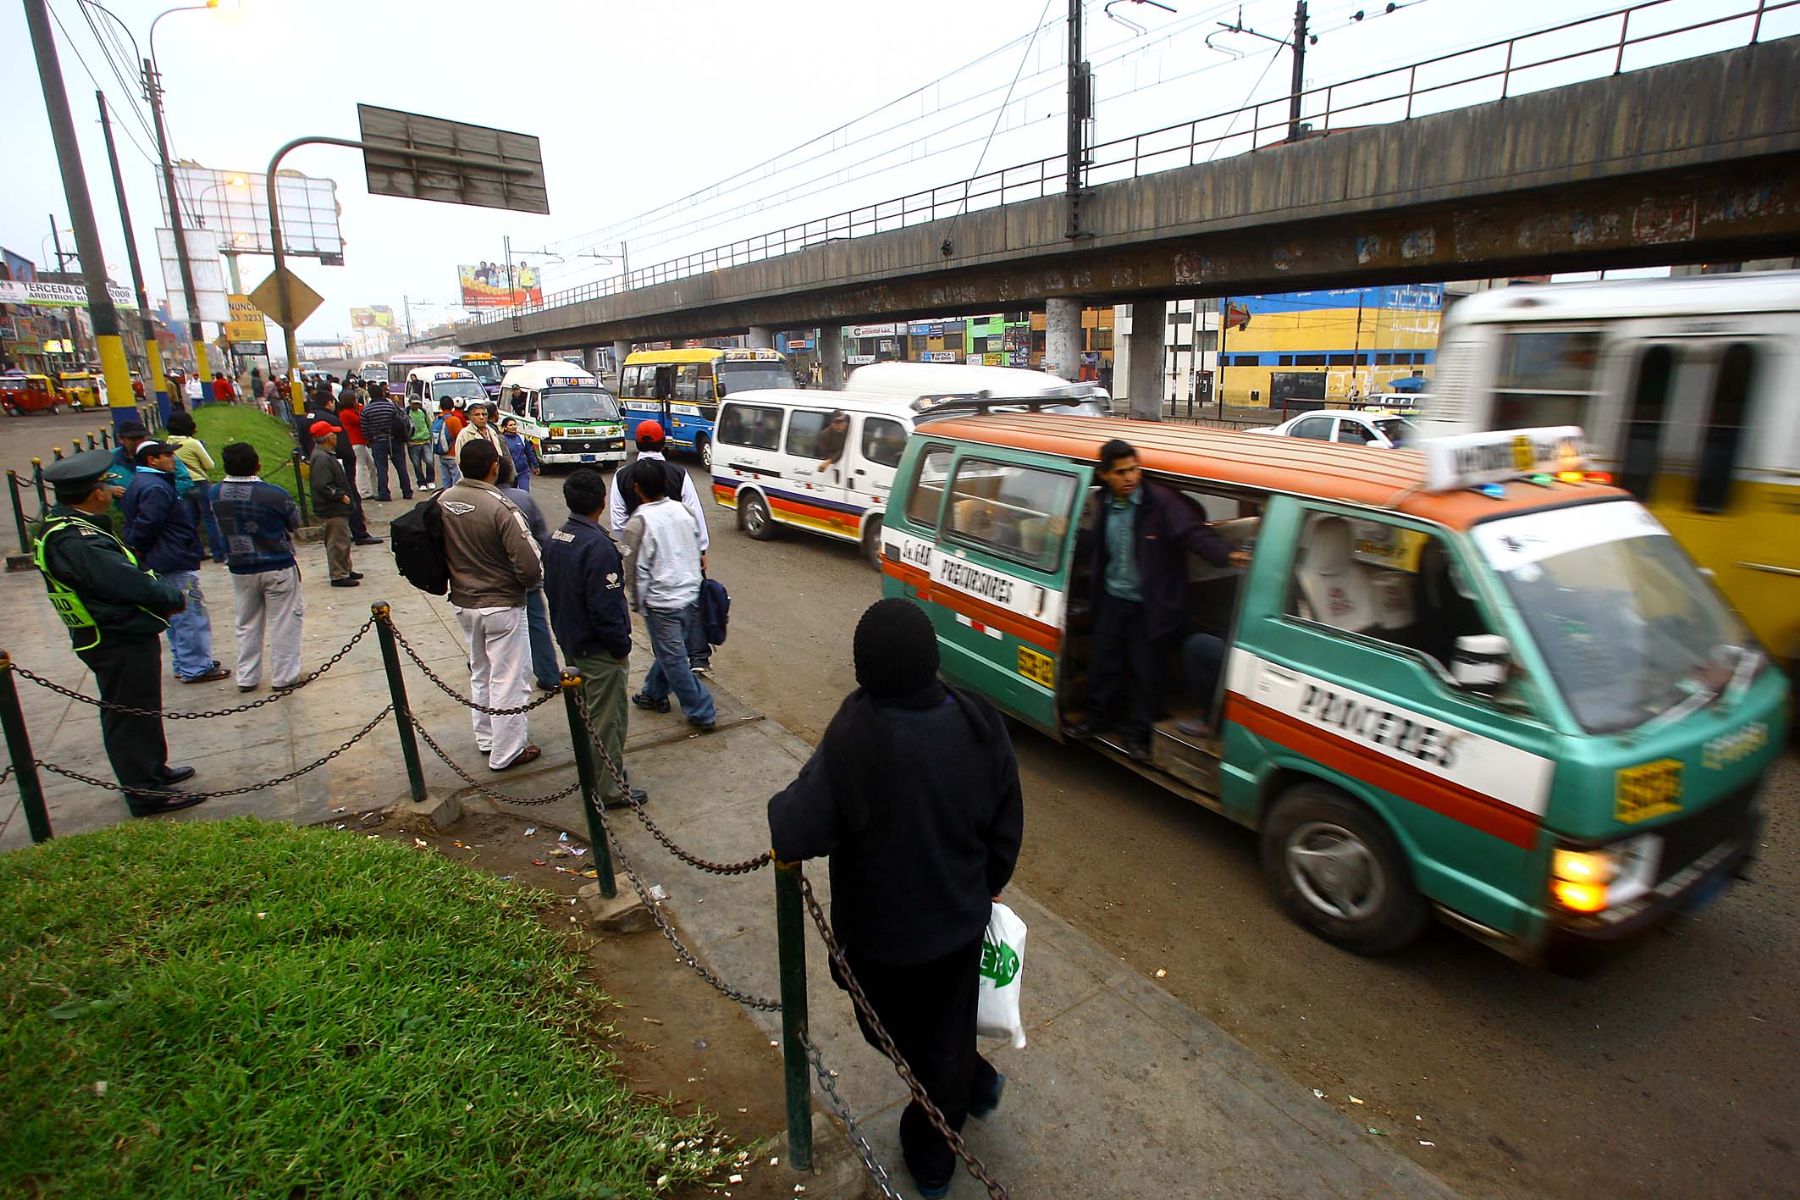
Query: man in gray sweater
(662, 578)
(493, 563)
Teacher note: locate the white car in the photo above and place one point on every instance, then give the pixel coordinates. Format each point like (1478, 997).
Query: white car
(1382, 430)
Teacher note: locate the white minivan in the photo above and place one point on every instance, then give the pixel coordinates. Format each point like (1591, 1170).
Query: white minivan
(822, 461)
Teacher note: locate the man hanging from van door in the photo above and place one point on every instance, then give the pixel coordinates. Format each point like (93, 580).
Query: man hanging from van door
(650, 443)
(1142, 536)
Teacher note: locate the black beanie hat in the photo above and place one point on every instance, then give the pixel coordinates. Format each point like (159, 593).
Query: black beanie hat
(896, 649)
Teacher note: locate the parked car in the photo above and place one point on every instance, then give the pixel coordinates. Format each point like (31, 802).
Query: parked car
(1379, 429)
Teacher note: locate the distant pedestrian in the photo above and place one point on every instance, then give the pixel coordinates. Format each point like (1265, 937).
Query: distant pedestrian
(651, 443)
(259, 520)
(524, 458)
(584, 580)
(493, 565)
(481, 427)
(224, 392)
(331, 501)
(160, 527)
(662, 577)
(537, 617)
(913, 794)
(350, 417)
(347, 453)
(386, 430)
(115, 611)
(190, 453)
(418, 444)
(446, 428)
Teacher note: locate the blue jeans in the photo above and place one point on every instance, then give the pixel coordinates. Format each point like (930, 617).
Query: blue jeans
(668, 629)
(543, 651)
(200, 501)
(449, 472)
(524, 483)
(419, 453)
(190, 630)
(1204, 655)
(386, 450)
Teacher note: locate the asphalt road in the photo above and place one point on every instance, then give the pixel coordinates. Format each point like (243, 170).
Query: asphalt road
(1668, 1073)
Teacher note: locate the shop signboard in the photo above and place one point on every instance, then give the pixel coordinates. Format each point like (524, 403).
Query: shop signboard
(59, 295)
(868, 331)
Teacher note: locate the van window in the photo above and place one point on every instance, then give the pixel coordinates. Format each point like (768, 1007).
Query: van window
(1722, 436)
(926, 497)
(804, 427)
(757, 426)
(1383, 581)
(883, 441)
(1015, 512)
(1545, 378)
(1644, 420)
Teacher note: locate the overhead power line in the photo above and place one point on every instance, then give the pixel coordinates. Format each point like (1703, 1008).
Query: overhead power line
(79, 57)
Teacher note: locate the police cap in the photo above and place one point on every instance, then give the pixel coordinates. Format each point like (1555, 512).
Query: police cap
(86, 468)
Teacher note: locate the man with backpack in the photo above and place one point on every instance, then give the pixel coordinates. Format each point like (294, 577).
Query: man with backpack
(651, 441)
(662, 577)
(492, 564)
(386, 430)
(445, 429)
(418, 444)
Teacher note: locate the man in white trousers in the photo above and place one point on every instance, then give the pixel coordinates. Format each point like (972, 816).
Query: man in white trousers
(493, 563)
(257, 520)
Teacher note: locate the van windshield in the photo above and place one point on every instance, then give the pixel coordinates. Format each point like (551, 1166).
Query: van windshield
(462, 390)
(747, 376)
(1626, 625)
(583, 405)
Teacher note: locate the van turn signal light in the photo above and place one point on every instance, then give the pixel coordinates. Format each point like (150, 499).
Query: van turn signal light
(1580, 897)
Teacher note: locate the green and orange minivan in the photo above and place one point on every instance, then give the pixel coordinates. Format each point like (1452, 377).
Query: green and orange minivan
(1469, 679)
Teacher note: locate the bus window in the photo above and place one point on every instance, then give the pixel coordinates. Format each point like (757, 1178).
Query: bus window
(664, 385)
(1639, 451)
(927, 493)
(1013, 511)
(628, 380)
(883, 441)
(1721, 437)
(1545, 378)
(687, 382)
(704, 390)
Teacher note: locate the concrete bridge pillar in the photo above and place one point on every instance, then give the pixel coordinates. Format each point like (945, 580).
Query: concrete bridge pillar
(761, 337)
(831, 354)
(620, 351)
(590, 358)
(1062, 337)
(1144, 362)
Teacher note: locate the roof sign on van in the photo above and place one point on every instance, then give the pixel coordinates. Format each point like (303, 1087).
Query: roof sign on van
(758, 355)
(572, 381)
(1472, 459)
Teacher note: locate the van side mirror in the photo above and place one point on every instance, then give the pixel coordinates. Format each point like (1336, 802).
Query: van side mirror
(1480, 662)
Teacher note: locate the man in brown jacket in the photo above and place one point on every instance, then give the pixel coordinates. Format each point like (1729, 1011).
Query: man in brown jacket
(493, 563)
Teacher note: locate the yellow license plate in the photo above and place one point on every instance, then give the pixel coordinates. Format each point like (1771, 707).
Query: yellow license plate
(1037, 666)
(1651, 789)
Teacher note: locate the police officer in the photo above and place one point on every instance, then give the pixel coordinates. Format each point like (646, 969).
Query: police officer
(116, 612)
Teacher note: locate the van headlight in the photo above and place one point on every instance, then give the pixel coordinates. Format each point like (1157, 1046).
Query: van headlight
(1591, 881)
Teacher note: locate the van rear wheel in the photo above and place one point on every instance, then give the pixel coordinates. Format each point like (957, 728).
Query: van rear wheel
(1337, 870)
(703, 447)
(753, 516)
(872, 542)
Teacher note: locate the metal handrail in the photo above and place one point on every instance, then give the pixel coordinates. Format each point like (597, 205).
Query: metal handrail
(1044, 176)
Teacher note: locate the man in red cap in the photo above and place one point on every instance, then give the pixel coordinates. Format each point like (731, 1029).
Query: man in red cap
(651, 441)
(331, 503)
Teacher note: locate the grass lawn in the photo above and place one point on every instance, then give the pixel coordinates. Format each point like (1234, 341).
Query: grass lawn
(246, 1009)
(222, 424)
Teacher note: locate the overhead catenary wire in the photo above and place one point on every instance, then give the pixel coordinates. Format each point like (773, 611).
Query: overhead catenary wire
(79, 57)
(108, 42)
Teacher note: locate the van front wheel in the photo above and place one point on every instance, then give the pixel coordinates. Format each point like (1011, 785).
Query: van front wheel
(872, 542)
(1337, 870)
(753, 514)
(703, 447)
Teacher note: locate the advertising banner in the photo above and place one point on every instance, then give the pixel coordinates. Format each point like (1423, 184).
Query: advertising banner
(484, 285)
(377, 316)
(59, 295)
(246, 324)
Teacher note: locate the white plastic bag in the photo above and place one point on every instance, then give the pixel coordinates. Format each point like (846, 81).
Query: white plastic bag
(1002, 965)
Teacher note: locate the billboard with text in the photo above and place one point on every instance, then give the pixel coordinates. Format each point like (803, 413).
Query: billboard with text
(484, 285)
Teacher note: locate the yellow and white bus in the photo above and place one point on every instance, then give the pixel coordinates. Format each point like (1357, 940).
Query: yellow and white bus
(681, 390)
(1687, 389)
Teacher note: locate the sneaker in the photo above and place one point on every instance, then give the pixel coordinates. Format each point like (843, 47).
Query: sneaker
(645, 702)
(703, 726)
(702, 669)
(638, 796)
(212, 676)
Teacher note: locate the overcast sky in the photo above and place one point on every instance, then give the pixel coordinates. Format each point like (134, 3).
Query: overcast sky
(642, 107)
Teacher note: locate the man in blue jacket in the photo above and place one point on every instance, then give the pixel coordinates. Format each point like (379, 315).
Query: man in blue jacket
(258, 520)
(160, 528)
(585, 584)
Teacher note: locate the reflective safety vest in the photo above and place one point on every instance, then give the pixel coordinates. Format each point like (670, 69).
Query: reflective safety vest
(64, 599)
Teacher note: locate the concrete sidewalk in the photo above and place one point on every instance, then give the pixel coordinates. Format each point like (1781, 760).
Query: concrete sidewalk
(1123, 1092)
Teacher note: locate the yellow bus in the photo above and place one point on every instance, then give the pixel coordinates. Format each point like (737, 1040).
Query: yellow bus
(681, 390)
(1686, 387)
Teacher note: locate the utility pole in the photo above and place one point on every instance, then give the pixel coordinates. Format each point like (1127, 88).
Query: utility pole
(56, 240)
(512, 294)
(1081, 116)
(153, 91)
(101, 312)
(1219, 356)
(152, 352)
(1299, 76)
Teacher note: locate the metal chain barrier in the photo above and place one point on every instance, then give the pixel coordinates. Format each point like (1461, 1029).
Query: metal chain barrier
(277, 695)
(113, 786)
(457, 696)
(840, 1108)
(995, 1189)
(497, 797)
(617, 770)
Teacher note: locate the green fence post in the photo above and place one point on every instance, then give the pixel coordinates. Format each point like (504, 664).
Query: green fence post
(390, 660)
(590, 783)
(106, 439)
(790, 935)
(300, 487)
(18, 744)
(37, 480)
(12, 488)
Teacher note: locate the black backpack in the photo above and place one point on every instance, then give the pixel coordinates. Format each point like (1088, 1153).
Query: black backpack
(715, 610)
(417, 537)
